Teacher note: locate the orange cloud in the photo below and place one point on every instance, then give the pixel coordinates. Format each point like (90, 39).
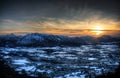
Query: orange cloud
(60, 26)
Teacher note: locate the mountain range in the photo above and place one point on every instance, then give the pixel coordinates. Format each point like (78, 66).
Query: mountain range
(42, 40)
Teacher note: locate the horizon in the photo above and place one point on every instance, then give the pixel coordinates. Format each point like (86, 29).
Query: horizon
(71, 33)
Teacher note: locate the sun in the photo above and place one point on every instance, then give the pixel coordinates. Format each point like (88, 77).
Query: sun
(98, 28)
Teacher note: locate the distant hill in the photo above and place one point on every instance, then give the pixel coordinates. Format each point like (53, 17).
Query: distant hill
(36, 40)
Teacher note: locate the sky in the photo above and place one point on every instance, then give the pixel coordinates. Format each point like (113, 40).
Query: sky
(45, 16)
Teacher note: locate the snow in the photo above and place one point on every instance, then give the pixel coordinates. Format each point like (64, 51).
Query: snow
(91, 58)
(6, 57)
(48, 71)
(71, 57)
(63, 62)
(75, 75)
(82, 76)
(5, 52)
(20, 61)
(26, 68)
(65, 55)
(84, 66)
(98, 71)
(11, 49)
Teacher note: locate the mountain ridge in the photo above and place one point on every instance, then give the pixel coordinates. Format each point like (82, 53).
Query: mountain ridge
(38, 39)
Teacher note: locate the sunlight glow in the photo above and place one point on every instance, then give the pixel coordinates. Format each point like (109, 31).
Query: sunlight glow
(97, 28)
(98, 32)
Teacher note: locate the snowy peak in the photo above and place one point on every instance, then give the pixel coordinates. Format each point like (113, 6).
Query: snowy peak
(36, 39)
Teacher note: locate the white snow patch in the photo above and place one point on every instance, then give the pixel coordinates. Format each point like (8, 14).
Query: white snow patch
(26, 68)
(91, 58)
(20, 61)
(48, 71)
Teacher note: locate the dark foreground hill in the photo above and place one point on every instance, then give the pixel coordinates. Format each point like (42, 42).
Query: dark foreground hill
(36, 40)
(7, 72)
(116, 74)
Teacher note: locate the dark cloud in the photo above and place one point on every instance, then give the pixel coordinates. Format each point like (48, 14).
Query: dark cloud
(17, 9)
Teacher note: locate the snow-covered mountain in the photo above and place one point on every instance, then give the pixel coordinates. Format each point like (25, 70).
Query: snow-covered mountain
(36, 39)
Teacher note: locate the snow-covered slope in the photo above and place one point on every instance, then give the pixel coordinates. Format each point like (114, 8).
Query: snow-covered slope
(85, 61)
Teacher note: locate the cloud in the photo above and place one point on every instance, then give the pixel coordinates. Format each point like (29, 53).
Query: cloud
(106, 23)
(8, 24)
(61, 24)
